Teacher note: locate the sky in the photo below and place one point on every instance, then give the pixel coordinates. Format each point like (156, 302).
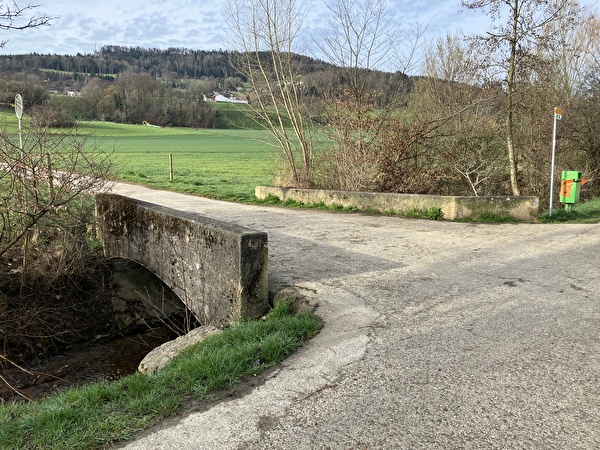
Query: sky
(82, 26)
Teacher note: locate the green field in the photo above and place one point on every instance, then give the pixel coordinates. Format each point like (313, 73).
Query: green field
(222, 163)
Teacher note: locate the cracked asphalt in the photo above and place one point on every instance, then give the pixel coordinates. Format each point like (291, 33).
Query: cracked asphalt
(437, 335)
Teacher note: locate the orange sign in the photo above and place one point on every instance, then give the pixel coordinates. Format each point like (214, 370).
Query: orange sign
(565, 188)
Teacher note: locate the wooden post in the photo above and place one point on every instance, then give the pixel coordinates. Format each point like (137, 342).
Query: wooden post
(170, 166)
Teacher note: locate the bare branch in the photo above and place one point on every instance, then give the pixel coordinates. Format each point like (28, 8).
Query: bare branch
(15, 17)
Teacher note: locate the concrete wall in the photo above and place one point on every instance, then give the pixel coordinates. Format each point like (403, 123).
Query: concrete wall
(219, 270)
(453, 207)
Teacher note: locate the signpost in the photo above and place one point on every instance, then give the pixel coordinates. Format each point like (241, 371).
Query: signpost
(19, 113)
(557, 117)
(21, 166)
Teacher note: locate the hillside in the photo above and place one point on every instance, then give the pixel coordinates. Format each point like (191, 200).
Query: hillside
(108, 61)
(162, 87)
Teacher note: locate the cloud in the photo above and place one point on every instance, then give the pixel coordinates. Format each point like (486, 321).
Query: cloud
(83, 26)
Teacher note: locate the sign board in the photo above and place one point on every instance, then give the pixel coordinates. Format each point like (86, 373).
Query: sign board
(558, 113)
(19, 106)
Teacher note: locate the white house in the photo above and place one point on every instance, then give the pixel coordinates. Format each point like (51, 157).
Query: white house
(216, 97)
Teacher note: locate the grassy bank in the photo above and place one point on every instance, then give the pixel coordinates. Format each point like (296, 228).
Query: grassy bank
(97, 415)
(583, 212)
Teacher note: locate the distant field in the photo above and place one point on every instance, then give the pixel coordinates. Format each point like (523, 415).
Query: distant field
(224, 164)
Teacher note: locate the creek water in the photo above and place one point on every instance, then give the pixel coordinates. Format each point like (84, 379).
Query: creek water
(81, 364)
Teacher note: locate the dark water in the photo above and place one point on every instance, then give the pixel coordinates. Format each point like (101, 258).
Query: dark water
(83, 364)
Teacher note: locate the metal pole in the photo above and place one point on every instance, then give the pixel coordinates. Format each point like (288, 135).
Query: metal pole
(557, 112)
(21, 165)
(19, 113)
(170, 166)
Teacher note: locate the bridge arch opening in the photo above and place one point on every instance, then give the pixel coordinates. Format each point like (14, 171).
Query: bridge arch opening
(140, 299)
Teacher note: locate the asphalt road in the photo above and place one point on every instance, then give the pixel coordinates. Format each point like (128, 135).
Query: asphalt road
(437, 335)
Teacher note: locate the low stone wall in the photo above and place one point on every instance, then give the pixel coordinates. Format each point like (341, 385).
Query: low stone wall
(219, 270)
(453, 207)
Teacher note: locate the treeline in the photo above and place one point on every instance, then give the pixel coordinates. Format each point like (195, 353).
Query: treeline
(128, 98)
(113, 60)
(121, 84)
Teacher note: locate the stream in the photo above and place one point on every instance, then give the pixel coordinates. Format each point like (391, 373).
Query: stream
(81, 364)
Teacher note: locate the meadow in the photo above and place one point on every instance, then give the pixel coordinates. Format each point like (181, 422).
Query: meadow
(225, 164)
(222, 163)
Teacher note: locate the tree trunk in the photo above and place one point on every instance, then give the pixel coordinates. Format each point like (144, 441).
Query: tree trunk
(510, 87)
(512, 160)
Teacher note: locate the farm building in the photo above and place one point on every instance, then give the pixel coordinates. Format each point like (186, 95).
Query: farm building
(217, 97)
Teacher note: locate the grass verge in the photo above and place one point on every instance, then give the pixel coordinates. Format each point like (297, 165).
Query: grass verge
(584, 212)
(415, 213)
(96, 415)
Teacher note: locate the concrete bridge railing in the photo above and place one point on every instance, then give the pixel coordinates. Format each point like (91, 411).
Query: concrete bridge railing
(453, 207)
(219, 270)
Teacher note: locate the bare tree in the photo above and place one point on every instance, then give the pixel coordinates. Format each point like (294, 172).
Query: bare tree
(266, 36)
(578, 56)
(40, 181)
(581, 78)
(465, 146)
(360, 39)
(15, 17)
(511, 51)
(47, 252)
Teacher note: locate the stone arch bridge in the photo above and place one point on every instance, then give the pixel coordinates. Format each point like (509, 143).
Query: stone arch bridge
(218, 269)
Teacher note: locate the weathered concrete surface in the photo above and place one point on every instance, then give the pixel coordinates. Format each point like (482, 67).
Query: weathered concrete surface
(438, 335)
(218, 269)
(453, 207)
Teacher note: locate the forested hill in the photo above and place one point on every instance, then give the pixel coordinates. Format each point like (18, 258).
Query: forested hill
(112, 60)
(163, 87)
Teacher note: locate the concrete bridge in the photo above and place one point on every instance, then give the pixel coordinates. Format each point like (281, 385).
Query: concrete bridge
(218, 269)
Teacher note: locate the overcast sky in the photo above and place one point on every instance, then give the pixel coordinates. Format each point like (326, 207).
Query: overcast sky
(83, 26)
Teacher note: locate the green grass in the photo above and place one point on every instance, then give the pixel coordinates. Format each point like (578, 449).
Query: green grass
(226, 164)
(96, 415)
(583, 212)
(236, 116)
(429, 213)
(223, 164)
(273, 200)
(488, 217)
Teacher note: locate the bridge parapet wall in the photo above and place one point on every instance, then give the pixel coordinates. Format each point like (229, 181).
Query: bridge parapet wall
(218, 269)
(453, 207)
